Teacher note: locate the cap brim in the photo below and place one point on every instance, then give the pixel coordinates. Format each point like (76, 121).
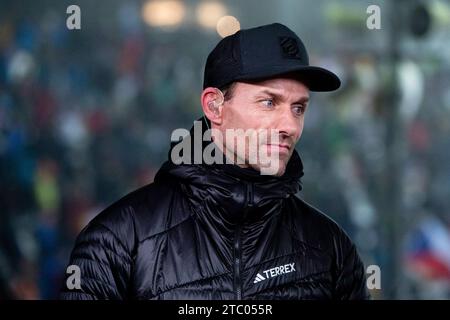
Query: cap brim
(315, 78)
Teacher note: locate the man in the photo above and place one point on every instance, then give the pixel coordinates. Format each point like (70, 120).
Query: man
(226, 230)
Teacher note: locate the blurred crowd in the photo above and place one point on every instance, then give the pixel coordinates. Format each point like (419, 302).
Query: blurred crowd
(86, 117)
(81, 125)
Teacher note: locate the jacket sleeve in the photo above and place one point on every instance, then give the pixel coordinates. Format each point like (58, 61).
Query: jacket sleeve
(351, 280)
(102, 255)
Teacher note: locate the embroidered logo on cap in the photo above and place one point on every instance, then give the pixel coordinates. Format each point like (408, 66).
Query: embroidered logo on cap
(290, 47)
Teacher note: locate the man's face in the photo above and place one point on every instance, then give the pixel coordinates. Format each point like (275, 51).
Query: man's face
(273, 107)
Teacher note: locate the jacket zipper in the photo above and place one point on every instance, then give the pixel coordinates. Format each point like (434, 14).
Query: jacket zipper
(237, 244)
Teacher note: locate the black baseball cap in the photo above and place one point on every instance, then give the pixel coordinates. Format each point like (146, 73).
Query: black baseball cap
(264, 52)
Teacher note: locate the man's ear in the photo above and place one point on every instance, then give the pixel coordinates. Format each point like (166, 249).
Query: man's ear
(212, 104)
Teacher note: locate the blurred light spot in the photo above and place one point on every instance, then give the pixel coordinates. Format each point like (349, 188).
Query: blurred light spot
(72, 130)
(227, 26)
(21, 66)
(440, 12)
(209, 13)
(163, 13)
(412, 89)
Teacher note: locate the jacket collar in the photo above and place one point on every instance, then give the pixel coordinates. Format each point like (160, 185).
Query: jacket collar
(232, 190)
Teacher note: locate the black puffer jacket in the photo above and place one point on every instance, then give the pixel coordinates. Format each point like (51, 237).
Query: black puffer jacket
(216, 232)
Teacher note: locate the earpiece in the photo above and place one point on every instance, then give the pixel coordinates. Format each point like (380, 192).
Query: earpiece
(212, 105)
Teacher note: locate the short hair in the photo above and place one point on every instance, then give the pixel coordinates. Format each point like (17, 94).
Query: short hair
(228, 91)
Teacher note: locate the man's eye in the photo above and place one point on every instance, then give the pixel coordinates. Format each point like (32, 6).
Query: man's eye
(268, 103)
(298, 109)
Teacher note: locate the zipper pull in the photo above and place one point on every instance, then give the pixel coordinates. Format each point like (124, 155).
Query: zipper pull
(250, 195)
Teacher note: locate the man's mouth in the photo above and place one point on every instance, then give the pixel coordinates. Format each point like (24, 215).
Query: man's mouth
(280, 148)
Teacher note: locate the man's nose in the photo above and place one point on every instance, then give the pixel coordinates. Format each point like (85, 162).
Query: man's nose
(288, 124)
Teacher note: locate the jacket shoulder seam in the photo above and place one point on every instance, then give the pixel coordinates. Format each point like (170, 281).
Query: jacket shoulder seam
(125, 249)
(146, 296)
(82, 256)
(164, 231)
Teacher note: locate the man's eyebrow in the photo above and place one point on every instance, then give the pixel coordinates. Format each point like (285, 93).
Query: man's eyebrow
(302, 100)
(280, 97)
